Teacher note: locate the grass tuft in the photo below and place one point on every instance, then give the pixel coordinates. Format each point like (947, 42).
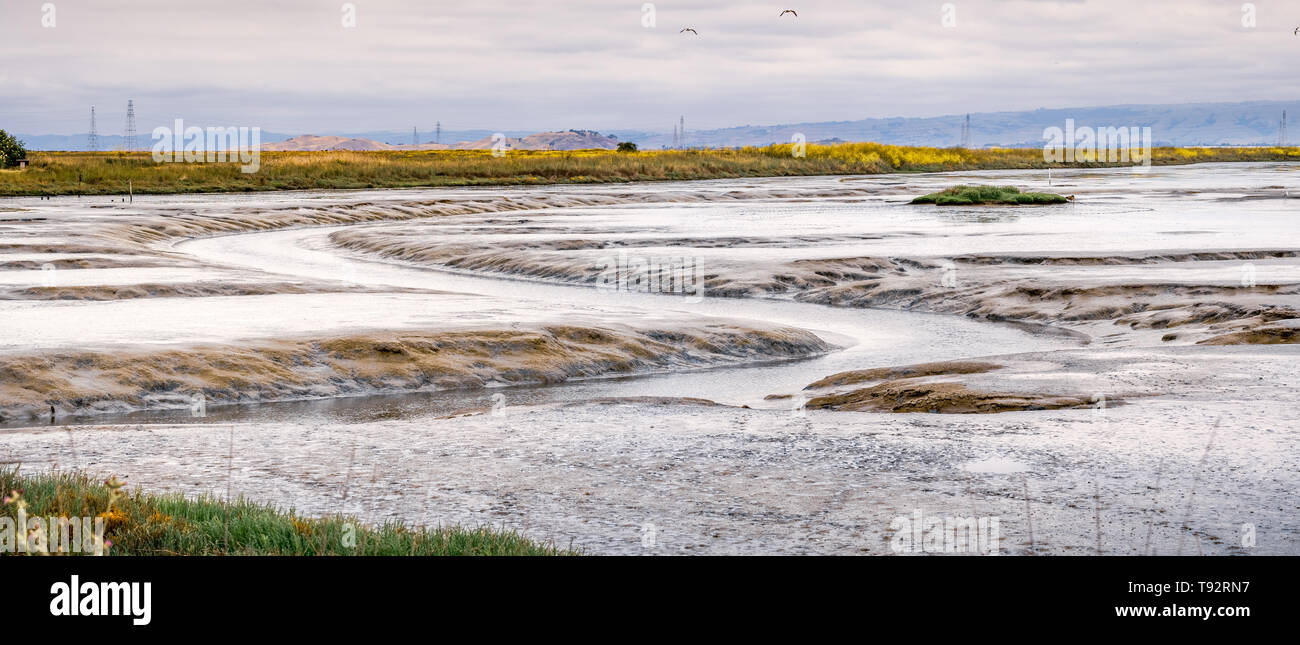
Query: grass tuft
(139, 523)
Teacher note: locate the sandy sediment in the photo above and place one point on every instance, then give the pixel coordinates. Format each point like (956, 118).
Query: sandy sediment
(906, 395)
(89, 382)
(1093, 377)
(1259, 335)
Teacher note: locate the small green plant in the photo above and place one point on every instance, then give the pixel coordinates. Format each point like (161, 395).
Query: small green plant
(974, 195)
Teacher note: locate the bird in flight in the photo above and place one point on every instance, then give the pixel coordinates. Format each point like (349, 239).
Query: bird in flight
(1297, 31)
(796, 13)
(690, 30)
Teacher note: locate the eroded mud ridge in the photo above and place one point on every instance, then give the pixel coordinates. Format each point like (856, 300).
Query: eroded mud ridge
(1108, 301)
(907, 389)
(95, 243)
(941, 388)
(86, 382)
(1226, 296)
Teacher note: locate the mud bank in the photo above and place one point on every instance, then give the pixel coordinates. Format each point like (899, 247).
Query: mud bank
(1202, 294)
(716, 480)
(205, 289)
(90, 382)
(1094, 378)
(911, 388)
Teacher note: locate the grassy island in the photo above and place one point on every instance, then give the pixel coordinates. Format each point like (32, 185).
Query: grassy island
(976, 195)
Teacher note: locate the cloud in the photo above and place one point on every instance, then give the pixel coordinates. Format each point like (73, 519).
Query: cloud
(290, 65)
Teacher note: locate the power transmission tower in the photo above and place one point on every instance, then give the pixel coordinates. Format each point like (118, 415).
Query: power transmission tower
(92, 139)
(437, 132)
(128, 141)
(415, 136)
(682, 129)
(1281, 131)
(965, 133)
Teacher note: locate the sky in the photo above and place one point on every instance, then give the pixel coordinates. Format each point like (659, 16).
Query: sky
(294, 66)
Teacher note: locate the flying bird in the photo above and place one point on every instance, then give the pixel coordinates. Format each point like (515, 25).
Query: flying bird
(1297, 31)
(690, 30)
(796, 13)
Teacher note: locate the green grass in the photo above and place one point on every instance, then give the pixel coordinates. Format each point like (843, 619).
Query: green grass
(108, 173)
(973, 195)
(171, 524)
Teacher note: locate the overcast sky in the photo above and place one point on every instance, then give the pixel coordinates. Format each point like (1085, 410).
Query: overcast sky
(291, 66)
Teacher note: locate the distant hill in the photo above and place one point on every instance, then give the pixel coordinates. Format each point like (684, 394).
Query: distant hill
(313, 142)
(106, 141)
(1197, 124)
(567, 140)
(557, 140)
(145, 142)
(1193, 124)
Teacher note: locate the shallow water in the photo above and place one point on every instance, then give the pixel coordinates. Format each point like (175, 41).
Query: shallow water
(1165, 209)
(876, 336)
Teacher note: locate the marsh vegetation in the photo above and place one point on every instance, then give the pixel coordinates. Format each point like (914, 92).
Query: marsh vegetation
(976, 195)
(139, 523)
(109, 173)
